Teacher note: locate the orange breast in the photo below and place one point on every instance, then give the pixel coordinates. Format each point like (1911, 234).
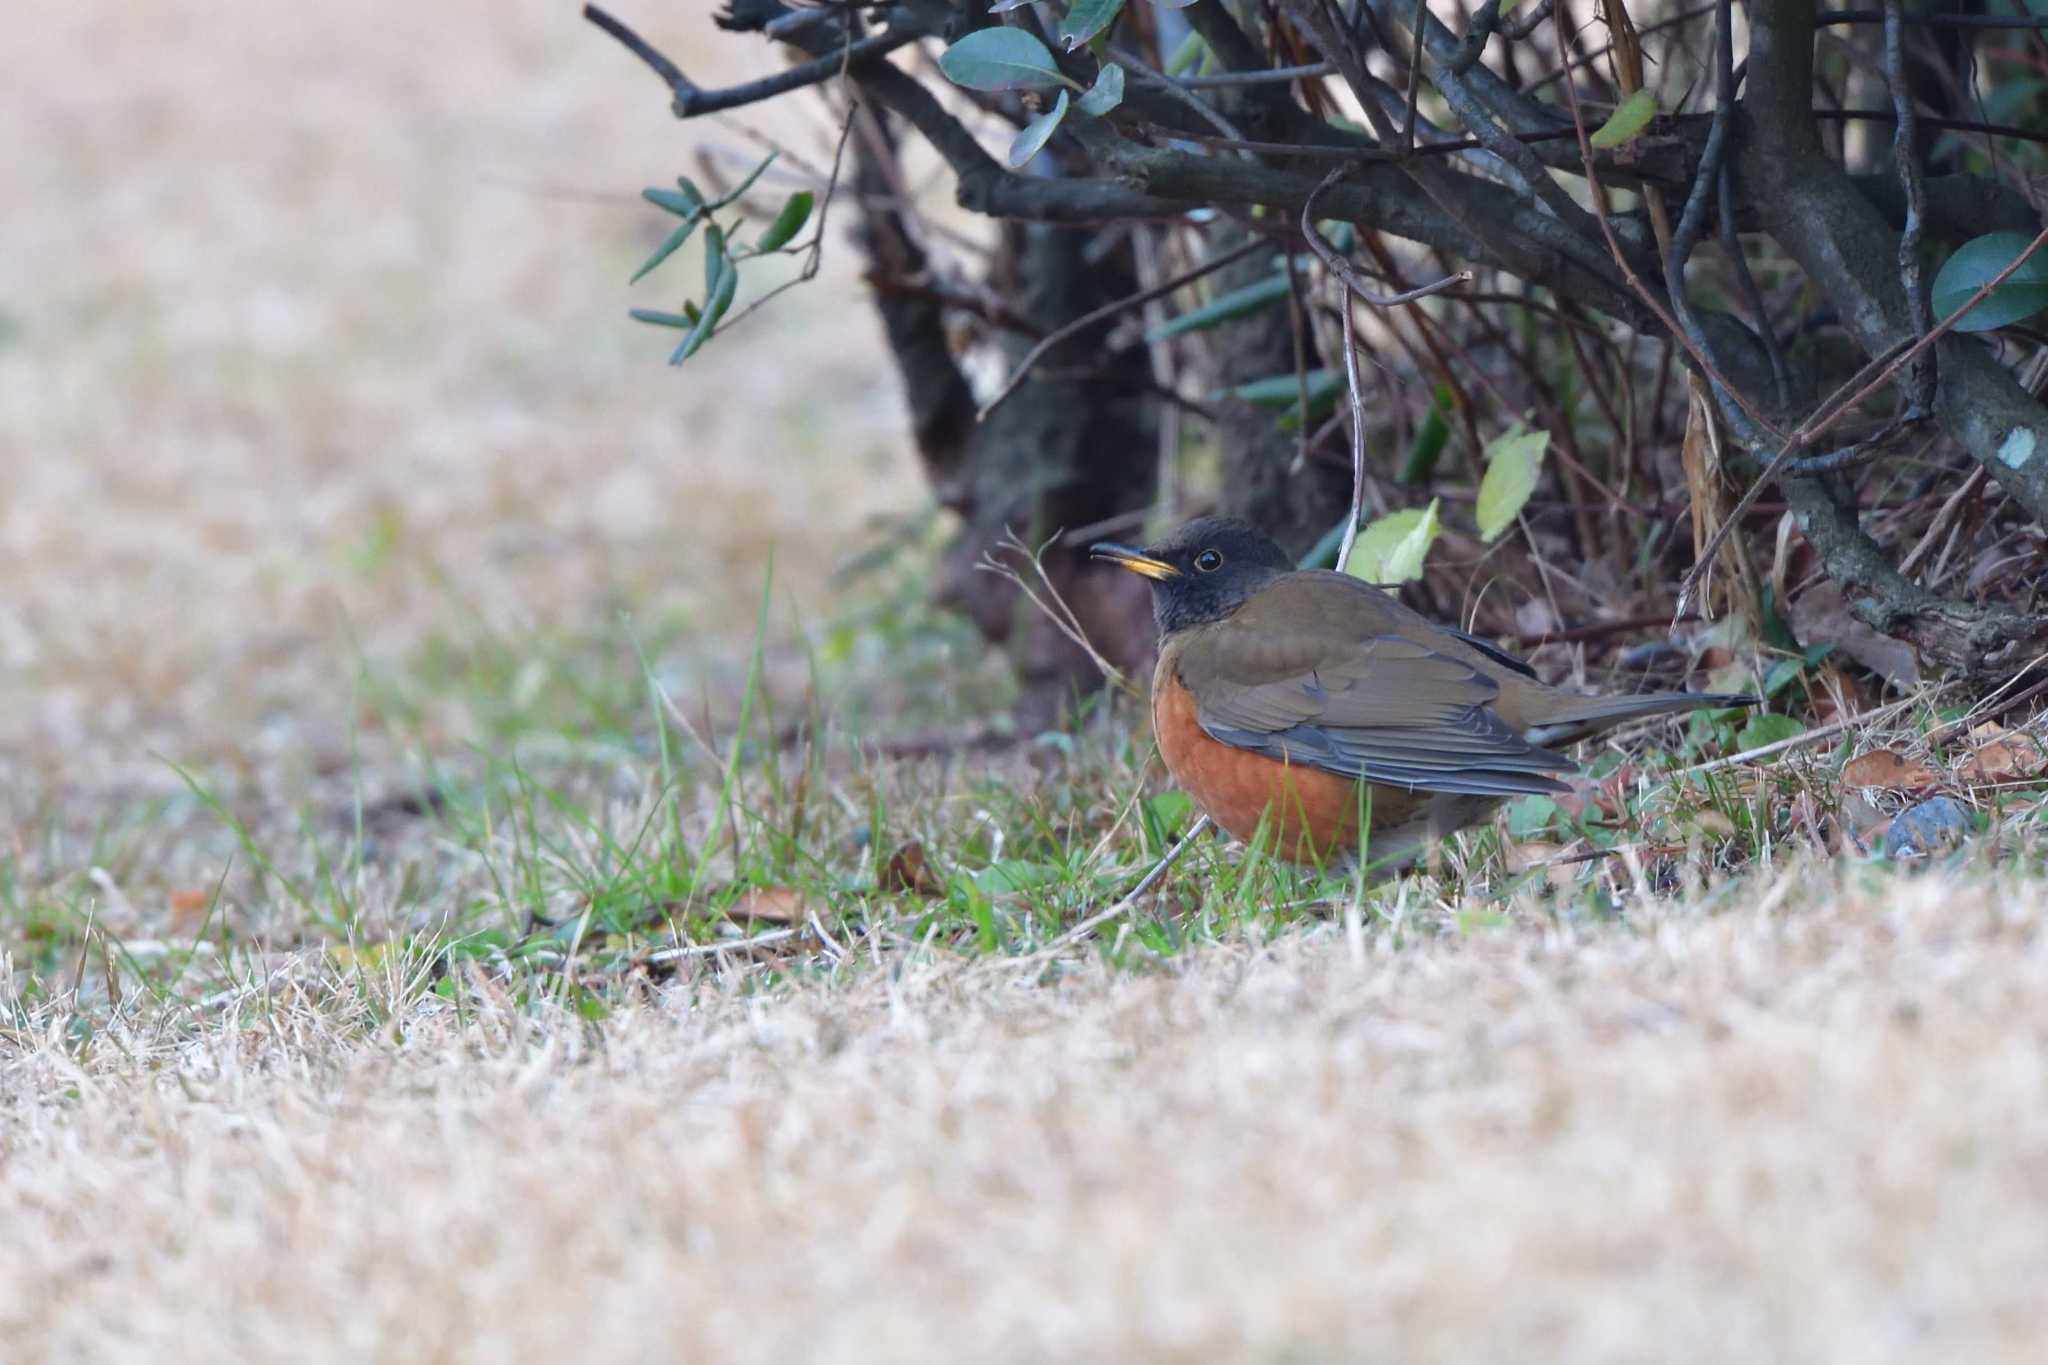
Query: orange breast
(1309, 814)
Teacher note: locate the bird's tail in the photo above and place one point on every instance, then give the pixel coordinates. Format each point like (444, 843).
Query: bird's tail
(1585, 716)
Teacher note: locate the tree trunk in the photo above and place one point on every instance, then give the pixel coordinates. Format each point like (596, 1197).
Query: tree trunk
(1068, 449)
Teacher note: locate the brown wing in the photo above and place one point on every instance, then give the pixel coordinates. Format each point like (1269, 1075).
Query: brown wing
(1318, 678)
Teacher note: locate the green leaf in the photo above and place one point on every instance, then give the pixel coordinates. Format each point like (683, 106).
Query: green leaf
(1227, 307)
(714, 257)
(733, 194)
(1163, 817)
(1193, 50)
(1630, 117)
(657, 318)
(1392, 549)
(1106, 94)
(1768, 728)
(685, 203)
(666, 249)
(1086, 18)
(796, 211)
(1783, 674)
(1975, 263)
(716, 301)
(1529, 816)
(999, 59)
(1016, 874)
(1284, 391)
(1033, 135)
(1512, 464)
(1430, 437)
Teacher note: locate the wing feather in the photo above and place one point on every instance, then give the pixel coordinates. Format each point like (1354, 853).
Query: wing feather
(1359, 702)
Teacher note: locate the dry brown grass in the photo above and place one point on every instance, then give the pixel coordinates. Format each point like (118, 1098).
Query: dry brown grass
(1814, 1128)
(312, 362)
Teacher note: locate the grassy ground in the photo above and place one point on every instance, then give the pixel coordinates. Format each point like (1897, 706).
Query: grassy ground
(401, 725)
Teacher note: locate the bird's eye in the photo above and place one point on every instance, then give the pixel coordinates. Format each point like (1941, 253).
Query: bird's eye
(1209, 561)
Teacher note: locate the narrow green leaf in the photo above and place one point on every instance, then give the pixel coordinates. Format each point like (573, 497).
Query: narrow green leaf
(1187, 55)
(796, 211)
(715, 305)
(1630, 117)
(1393, 548)
(1428, 446)
(1106, 94)
(732, 195)
(1033, 135)
(1282, 390)
(1975, 264)
(714, 257)
(657, 318)
(666, 249)
(1512, 463)
(1086, 18)
(1237, 303)
(999, 59)
(683, 204)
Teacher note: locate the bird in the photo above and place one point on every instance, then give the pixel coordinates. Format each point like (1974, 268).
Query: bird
(1315, 712)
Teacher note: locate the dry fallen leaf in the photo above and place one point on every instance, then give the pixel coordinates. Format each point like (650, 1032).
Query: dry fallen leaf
(2008, 758)
(908, 869)
(1885, 770)
(774, 905)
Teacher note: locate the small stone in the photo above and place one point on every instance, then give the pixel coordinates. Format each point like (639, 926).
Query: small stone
(1932, 826)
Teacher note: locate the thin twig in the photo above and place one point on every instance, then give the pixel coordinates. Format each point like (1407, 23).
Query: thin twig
(1352, 387)
(1682, 17)
(1050, 602)
(1123, 903)
(1278, 75)
(1678, 333)
(1341, 268)
(1415, 32)
(1941, 519)
(1829, 412)
(1986, 714)
(1947, 125)
(1365, 156)
(1856, 452)
(1176, 92)
(692, 100)
(735, 945)
(1108, 311)
(1800, 741)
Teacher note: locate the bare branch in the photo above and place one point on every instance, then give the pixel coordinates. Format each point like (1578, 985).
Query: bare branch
(692, 99)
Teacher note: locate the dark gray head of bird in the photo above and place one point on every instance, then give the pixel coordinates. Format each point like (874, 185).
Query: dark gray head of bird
(1203, 572)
